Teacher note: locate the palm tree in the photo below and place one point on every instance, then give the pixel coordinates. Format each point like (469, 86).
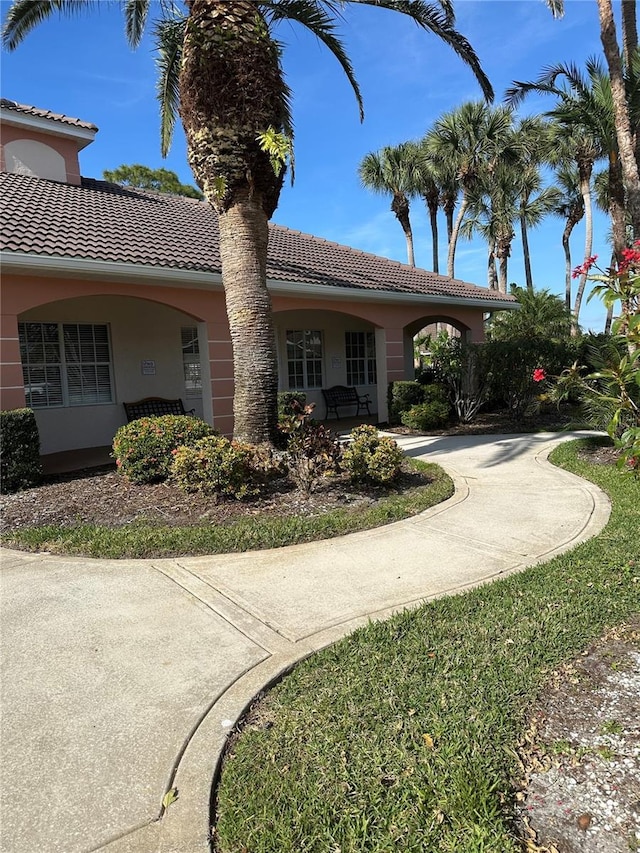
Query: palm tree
(570, 208)
(393, 171)
(576, 136)
(624, 123)
(491, 212)
(220, 70)
(534, 137)
(542, 315)
(428, 187)
(470, 139)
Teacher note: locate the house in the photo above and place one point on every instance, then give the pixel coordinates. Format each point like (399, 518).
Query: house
(111, 294)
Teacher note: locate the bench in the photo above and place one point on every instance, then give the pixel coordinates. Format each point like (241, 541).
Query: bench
(340, 396)
(154, 407)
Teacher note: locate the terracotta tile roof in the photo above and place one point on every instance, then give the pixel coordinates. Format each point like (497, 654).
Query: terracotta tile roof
(106, 222)
(28, 110)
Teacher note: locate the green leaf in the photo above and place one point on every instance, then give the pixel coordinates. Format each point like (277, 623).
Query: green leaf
(169, 798)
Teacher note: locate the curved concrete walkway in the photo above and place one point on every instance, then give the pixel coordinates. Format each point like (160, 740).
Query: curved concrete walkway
(121, 679)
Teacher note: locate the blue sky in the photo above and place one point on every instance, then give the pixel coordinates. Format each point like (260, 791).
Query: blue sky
(82, 66)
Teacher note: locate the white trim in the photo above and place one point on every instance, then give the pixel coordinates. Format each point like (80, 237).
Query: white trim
(49, 125)
(312, 291)
(50, 265)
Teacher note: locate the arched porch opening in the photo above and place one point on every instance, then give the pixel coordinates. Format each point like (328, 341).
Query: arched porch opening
(421, 331)
(82, 357)
(318, 348)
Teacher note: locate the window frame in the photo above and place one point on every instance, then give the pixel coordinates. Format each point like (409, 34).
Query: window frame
(66, 364)
(367, 363)
(301, 366)
(191, 358)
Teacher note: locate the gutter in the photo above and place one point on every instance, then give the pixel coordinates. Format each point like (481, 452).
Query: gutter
(51, 265)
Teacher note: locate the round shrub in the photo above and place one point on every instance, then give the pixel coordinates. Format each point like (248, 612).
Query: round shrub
(143, 448)
(216, 466)
(370, 457)
(427, 415)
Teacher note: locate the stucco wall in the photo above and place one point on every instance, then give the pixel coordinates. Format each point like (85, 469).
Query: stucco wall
(139, 331)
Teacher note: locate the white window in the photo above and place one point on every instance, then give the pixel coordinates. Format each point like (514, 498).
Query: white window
(191, 361)
(65, 364)
(304, 358)
(360, 357)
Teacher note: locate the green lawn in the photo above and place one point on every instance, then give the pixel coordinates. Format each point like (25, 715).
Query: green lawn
(402, 736)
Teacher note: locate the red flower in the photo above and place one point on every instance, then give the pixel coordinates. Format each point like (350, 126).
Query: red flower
(539, 374)
(584, 268)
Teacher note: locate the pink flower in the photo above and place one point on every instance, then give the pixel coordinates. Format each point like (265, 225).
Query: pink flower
(584, 268)
(539, 374)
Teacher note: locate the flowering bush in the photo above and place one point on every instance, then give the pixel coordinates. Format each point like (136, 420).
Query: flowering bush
(143, 448)
(370, 457)
(614, 387)
(215, 465)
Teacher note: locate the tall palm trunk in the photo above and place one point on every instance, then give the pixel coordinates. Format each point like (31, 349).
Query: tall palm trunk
(629, 30)
(231, 90)
(575, 215)
(503, 250)
(400, 206)
(448, 206)
(630, 173)
(432, 200)
(525, 251)
(451, 254)
(585, 169)
(492, 273)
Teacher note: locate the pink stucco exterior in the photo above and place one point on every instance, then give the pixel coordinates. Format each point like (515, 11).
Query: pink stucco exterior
(44, 298)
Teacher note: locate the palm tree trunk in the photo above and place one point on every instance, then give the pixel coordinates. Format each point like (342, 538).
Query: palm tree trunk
(585, 189)
(400, 206)
(244, 235)
(503, 250)
(566, 234)
(616, 207)
(629, 30)
(227, 41)
(526, 253)
(609, 320)
(492, 273)
(433, 220)
(624, 135)
(451, 254)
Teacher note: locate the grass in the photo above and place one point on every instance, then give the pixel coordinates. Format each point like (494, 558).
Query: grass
(246, 534)
(402, 737)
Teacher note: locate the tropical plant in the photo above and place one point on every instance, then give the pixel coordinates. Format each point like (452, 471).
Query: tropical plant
(570, 207)
(541, 315)
(394, 171)
(220, 70)
(471, 139)
(627, 139)
(459, 365)
(142, 177)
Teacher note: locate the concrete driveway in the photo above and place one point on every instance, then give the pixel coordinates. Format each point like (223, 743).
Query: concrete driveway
(122, 678)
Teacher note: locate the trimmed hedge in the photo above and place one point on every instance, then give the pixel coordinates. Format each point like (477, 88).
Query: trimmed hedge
(143, 449)
(20, 466)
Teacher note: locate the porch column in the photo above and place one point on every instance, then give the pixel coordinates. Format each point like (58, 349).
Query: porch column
(11, 379)
(221, 384)
(391, 367)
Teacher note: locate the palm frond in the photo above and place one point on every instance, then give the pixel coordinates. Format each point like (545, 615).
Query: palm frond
(169, 37)
(135, 17)
(438, 21)
(319, 21)
(24, 15)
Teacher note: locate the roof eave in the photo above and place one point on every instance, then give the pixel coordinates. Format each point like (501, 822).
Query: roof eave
(23, 263)
(83, 136)
(355, 294)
